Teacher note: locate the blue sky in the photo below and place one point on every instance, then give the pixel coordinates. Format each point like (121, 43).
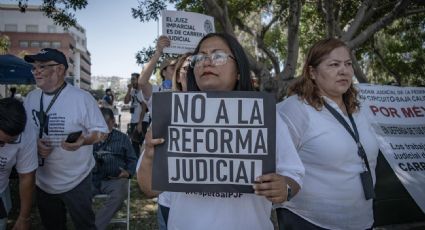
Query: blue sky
(113, 35)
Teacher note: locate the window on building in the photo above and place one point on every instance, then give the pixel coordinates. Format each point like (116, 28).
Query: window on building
(84, 42)
(32, 28)
(51, 29)
(11, 28)
(56, 45)
(45, 44)
(35, 44)
(23, 44)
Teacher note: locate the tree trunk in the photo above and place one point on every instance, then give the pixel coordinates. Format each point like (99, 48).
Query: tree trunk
(293, 46)
(358, 72)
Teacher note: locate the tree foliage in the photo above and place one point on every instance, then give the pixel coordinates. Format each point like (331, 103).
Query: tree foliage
(4, 44)
(61, 11)
(277, 34)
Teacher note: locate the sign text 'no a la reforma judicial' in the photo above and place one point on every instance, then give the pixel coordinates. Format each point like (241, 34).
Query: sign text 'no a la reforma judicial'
(214, 141)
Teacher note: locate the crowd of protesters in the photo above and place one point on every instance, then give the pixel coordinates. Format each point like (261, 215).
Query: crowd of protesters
(65, 147)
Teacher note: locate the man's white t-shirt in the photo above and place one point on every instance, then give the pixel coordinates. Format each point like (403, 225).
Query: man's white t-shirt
(73, 110)
(136, 99)
(23, 153)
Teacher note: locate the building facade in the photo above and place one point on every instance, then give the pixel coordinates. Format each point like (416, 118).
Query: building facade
(31, 31)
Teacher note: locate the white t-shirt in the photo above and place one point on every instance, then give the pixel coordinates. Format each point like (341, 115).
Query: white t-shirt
(233, 210)
(73, 110)
(136, 99)
(23, 154)
(332, 196)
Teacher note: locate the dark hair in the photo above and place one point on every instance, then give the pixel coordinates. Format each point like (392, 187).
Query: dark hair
(13, 90)
(242, 63)
(108, 90)
(107, 113)
(12, 116)
(306, 88)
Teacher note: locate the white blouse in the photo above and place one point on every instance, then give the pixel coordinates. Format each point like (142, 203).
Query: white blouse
(332, 194)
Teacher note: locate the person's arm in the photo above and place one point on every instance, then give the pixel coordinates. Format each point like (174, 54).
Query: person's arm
(143, 81)
(142, 116)
(144, 172)
(26, 187)
(127, 97)
(93, 138)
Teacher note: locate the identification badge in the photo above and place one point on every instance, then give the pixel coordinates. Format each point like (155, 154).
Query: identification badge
(367, 183)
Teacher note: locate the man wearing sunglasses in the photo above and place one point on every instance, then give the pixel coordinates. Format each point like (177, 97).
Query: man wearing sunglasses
(68, 122)
(17, 148)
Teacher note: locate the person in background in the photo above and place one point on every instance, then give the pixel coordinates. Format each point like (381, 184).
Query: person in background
(12, 92)
(108, 99)
(166, 69)
(179, 82)
(138, 112)
(220, 64)
(55, 110)
(339, 162)
(17, 148)
(115, 164)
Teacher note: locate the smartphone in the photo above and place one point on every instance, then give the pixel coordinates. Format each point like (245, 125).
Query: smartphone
(73, 137)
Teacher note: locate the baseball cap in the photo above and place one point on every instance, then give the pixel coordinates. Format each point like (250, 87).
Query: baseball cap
(166, 63)
(48, 54)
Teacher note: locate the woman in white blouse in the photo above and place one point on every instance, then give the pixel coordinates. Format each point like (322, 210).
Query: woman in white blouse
(338, 185)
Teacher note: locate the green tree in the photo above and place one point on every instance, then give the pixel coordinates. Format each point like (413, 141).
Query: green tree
(61, 11)
(356, 22)
(277, 33)
(4, 44)
(399, 57)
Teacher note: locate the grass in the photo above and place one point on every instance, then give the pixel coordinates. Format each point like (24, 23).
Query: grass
(143, 211)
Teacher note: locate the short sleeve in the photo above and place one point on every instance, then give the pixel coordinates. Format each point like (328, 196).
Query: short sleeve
(27, 160)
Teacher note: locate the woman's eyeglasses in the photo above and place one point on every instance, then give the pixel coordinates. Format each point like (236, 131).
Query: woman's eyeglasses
(217, 58)
(41, 67)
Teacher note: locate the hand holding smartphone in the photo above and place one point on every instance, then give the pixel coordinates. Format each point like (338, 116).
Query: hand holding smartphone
(73, 137)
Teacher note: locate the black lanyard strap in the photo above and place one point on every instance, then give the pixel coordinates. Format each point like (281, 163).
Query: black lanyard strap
(43, 115)
(355, 135)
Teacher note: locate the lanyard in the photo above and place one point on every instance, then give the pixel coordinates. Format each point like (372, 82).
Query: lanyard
(355, 135)
(43, 115)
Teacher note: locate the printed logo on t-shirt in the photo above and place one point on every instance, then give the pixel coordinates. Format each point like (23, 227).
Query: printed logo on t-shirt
(54, 127)
(217, 194)
(3, 161)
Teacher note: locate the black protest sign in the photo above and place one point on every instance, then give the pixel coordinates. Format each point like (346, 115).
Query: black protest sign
(214, 141)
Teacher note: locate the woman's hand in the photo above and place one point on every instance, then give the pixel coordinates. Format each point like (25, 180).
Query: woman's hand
(150, 144)
(272, 186)
(162, 42)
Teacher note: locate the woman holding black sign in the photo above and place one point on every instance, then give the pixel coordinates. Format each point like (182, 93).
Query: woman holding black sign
(334, 141)
(220, 64)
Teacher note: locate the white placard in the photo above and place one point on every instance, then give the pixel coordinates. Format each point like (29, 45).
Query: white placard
(397, 115)
(185, 30)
